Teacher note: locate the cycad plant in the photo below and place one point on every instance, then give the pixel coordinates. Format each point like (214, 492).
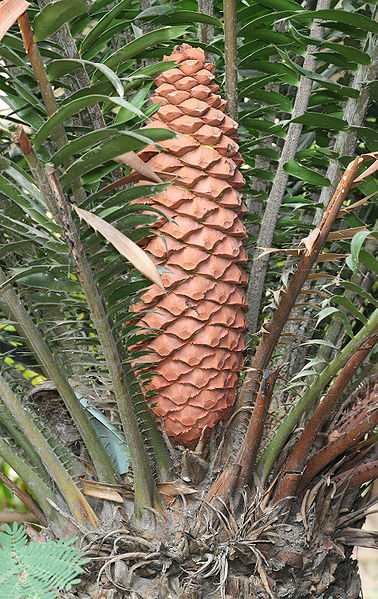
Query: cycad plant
(190, 457)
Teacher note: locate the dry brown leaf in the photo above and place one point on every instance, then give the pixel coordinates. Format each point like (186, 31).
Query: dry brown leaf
(10, 10)
(310, 240)
(346, 233)
(175, 488)
(330, 257)
(92, 488)
(288, 252)
(319, 275)
(357, 537)
(311, 291)
(124, 245)
(169, 490)
(135, 162)
(345, 211)
(369, 171)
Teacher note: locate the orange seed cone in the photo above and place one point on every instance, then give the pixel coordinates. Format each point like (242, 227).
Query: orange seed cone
(198, 351)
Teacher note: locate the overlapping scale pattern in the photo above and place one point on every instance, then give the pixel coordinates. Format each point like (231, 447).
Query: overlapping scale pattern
(198, 351)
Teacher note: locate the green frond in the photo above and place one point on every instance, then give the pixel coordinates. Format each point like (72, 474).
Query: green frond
(33, 570)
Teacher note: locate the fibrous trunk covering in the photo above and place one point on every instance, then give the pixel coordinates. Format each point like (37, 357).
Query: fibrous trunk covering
(197, 353)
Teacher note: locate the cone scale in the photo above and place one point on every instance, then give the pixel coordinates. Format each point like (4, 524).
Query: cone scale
(197, 352)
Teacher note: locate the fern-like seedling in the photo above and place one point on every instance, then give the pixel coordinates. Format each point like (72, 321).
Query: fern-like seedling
(32, 570)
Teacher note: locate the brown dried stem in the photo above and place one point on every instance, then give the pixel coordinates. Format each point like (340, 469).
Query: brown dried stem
(355, 477)
(248, 452)
(40, 74)
(298, 457)
(338, 447)
(311, 395)
(314, 245)
(25, 498)
(47, 93)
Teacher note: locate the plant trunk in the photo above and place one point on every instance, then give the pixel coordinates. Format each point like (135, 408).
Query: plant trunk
(306, 557)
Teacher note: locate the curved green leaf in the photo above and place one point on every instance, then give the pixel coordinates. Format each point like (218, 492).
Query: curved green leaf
(27, 114)
(137, 78)
(68, 110)
(272, 98)
(328, 83)
(332, 310)
(38, 275)
(55, 14)
(360, 291)
(268, 35)
(319, 342)
(339, 16)
(265, 125)
(26, 181)
(305, 174)
(369, 261)
(57, 68)
(138, 99)
(368, 134)
(281, 5)
(324, 121)
(346, 303)
(12, 57)
(177, 16)
(280, 70)
(266, 152)
(80, 144)
(165, 34)
(357, 243)
(257, 82)
(351, 53)
(258, 21)
(126, 195)
(111, 148)
(102, 24)
(41, 277)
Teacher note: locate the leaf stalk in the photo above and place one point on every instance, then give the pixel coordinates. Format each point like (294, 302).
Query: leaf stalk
(312, 394)
(101, 461)
(78, 505)
(146, 492)
(287, 487)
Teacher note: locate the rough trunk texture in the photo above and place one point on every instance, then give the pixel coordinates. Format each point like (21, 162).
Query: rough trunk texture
(257, 554)
(197, 354)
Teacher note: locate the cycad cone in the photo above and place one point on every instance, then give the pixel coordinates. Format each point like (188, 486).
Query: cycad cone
(198, 352)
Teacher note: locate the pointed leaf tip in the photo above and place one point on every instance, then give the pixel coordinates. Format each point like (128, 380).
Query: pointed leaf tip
(55, 14)
(10, 10)
(127, 248)
(136, 163)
